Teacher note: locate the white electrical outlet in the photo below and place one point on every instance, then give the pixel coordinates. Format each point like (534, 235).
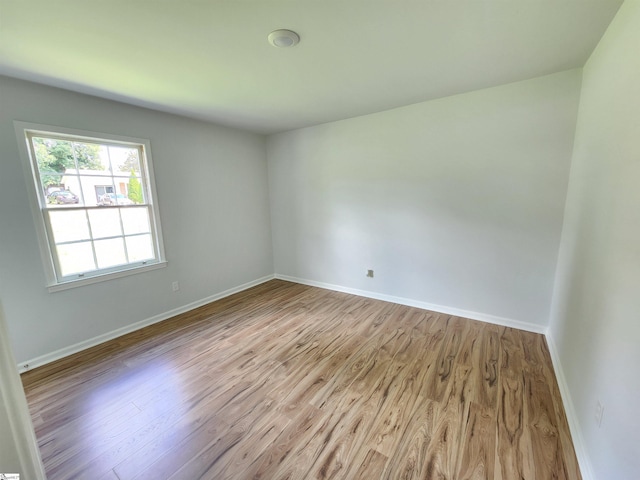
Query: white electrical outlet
(175, 286)
(370, 273)
(599, 413)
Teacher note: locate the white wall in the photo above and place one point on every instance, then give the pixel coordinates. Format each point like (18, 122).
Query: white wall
(212, 188)
(595, 321)
(456, 202)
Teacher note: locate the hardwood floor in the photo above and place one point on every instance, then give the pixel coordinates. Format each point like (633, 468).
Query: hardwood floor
(285, 381)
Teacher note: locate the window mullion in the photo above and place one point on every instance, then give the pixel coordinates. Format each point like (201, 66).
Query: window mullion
(152, 228)
(75, 161)
(54, 251)
(124, 238)
(113, 181)
(146, 186)
(93, 245)
(71, 242)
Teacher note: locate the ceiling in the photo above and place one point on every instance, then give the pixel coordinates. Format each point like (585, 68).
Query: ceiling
(210, 59)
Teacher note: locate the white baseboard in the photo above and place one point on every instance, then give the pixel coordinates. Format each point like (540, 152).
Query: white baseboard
(483, 317)
(92, 342)
(569, 408)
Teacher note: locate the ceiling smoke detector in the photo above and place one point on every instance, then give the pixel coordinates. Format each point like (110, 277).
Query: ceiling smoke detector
(283, 38)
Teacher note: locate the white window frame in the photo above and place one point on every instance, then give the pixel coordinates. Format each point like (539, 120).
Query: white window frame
(55, 281)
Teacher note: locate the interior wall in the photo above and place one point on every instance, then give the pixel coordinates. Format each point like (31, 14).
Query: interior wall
(456, 202)
(212, 193)
(595, 323)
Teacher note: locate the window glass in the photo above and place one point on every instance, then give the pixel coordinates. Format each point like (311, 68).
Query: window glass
(105, 222)
(75, 258)
(135, 220)
(69, 226)
(95, 204)
(140, 247)
(110, 252)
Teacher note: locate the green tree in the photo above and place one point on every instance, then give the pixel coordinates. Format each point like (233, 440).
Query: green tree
(135, 189)
(55, 156)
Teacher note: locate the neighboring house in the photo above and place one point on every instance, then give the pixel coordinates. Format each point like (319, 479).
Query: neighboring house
(91, 185)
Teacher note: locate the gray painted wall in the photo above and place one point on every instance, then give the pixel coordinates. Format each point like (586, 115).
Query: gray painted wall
(595, 322)
(456, 202)
(212, 192)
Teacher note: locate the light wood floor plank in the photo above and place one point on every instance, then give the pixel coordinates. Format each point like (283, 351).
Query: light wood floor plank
(285, 381)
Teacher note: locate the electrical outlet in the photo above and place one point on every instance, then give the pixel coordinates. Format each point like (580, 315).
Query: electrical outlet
(370, 273)
(599, 413)
(175, 286)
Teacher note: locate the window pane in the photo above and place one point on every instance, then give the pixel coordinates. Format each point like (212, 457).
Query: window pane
(73, 195)
(135, 220)
(53, 157)
(75, 258)
(53, 184)
(92, 159)
(104, 194)
(63, 193)
(105, 223)
(131, 189)
(121, 182)
(125, 160)
(110, 252)
(114, 199)
(89, 185)
(102, 189)
(140, 248)
(69, 226)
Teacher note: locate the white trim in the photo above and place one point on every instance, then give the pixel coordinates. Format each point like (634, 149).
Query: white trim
(14, 405)
(105, 276)
(569, 408)
(483, 317)
(92, 342)
(27, 167)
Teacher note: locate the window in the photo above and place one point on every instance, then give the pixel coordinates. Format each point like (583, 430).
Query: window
(93, 200)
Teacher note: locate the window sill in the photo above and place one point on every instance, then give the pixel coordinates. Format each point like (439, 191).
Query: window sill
(81, 282)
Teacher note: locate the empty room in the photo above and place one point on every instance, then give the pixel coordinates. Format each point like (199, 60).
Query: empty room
(320, 239)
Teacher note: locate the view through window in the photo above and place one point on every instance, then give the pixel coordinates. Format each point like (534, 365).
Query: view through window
(95, 201)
